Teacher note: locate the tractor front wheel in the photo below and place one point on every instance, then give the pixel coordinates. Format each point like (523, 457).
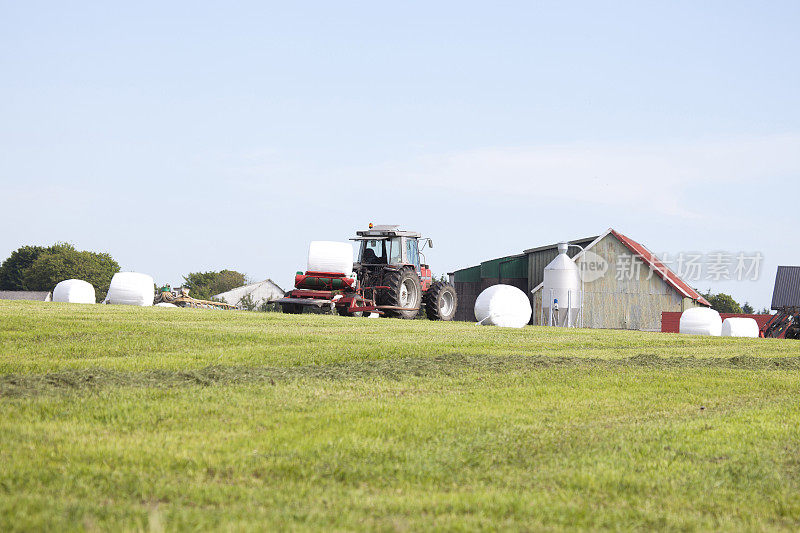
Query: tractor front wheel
(441, 301)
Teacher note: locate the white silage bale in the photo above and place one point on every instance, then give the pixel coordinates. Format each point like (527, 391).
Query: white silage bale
(739, 327)
(701, 321)
(503, 305)
(330, 256)
(165, 304)
(131, 288)
(74, 291)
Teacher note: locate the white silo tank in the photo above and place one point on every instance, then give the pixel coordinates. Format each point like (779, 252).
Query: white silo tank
(561, 290)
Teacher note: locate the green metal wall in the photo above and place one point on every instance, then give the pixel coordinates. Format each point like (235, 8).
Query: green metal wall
(509, 267)
(470, 274)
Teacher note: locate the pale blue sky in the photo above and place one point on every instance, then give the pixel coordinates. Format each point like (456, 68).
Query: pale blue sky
(490, 127)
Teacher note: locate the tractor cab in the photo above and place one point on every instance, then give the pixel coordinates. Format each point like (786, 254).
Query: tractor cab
(382, 246)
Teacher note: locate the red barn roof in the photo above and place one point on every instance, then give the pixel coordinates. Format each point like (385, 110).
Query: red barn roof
(660, 268)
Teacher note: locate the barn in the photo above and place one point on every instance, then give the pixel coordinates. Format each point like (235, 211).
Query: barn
(258, 293)
(625, 285)
(786, 294)
(36, 296)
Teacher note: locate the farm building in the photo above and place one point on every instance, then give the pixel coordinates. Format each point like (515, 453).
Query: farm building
(260, 293)
(786, 294)
(625, 285)
(36, 296)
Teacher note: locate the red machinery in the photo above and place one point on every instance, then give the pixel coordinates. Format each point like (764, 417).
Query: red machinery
(388, 279)
(785, 323)
(321, 289)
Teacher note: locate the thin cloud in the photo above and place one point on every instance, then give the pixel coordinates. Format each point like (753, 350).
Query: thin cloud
(657, 177)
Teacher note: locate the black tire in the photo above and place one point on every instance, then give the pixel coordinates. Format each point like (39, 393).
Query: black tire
(441, 301)
(292, 309)
(399, 282)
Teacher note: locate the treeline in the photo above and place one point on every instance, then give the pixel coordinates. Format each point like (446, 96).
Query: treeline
(724, 303)
(40, 268)
(204, 285)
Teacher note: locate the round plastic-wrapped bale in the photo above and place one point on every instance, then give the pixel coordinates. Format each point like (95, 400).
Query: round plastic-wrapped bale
(739, 327)
(166, 304)
(74, 291)
(701, 321)
(330, 257)
(131, 288)
(504, 306)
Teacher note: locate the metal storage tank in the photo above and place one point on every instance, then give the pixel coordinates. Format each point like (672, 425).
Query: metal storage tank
(561, 296)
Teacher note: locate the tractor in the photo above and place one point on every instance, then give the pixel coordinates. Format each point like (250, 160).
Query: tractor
(389, 279)
(785, 323)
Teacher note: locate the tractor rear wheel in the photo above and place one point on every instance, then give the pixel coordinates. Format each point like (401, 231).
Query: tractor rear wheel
(405, 290)
(441, 301)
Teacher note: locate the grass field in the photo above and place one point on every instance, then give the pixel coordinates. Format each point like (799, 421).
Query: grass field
(117, 418)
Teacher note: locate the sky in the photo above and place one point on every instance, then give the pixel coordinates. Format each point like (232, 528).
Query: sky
(193, 136)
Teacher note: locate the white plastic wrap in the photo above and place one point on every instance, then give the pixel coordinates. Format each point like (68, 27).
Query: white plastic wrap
(131, 288)
(330, 256)
(165, 304)
(74, 291)
(739, 327)
(701, 321)
(504, 306)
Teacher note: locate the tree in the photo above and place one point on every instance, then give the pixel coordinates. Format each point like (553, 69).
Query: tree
(246, 302)
(12, 271)
(723, 303)
(748, 309)
(204, 285)
(227, 280)
(62, 261)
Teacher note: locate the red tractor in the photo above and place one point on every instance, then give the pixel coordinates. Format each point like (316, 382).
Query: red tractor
(389, 280)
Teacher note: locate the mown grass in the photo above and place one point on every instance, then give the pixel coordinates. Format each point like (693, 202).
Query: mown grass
(146, 419)
(36, 338)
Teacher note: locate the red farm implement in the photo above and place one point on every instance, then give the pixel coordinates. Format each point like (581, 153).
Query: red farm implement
(388, 279)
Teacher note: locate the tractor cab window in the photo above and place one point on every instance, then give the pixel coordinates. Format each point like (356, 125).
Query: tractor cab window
(412, 253)
(395, 251)
(373, 252)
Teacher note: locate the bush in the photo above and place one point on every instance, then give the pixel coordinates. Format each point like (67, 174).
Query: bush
(12, 271)
(723, 303)
(62, 261)
(204, 285)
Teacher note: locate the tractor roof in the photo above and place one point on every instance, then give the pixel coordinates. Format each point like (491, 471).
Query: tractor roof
(385, 231)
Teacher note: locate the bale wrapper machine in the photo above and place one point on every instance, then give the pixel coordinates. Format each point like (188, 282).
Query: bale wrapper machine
(388, 279)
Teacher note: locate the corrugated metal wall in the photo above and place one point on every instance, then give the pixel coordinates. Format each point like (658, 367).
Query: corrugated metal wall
(510, 270)
(787, 288)
(467, 292)
(467, 282)
(470, 282)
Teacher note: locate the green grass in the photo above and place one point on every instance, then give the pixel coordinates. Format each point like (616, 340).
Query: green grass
(119, 418)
